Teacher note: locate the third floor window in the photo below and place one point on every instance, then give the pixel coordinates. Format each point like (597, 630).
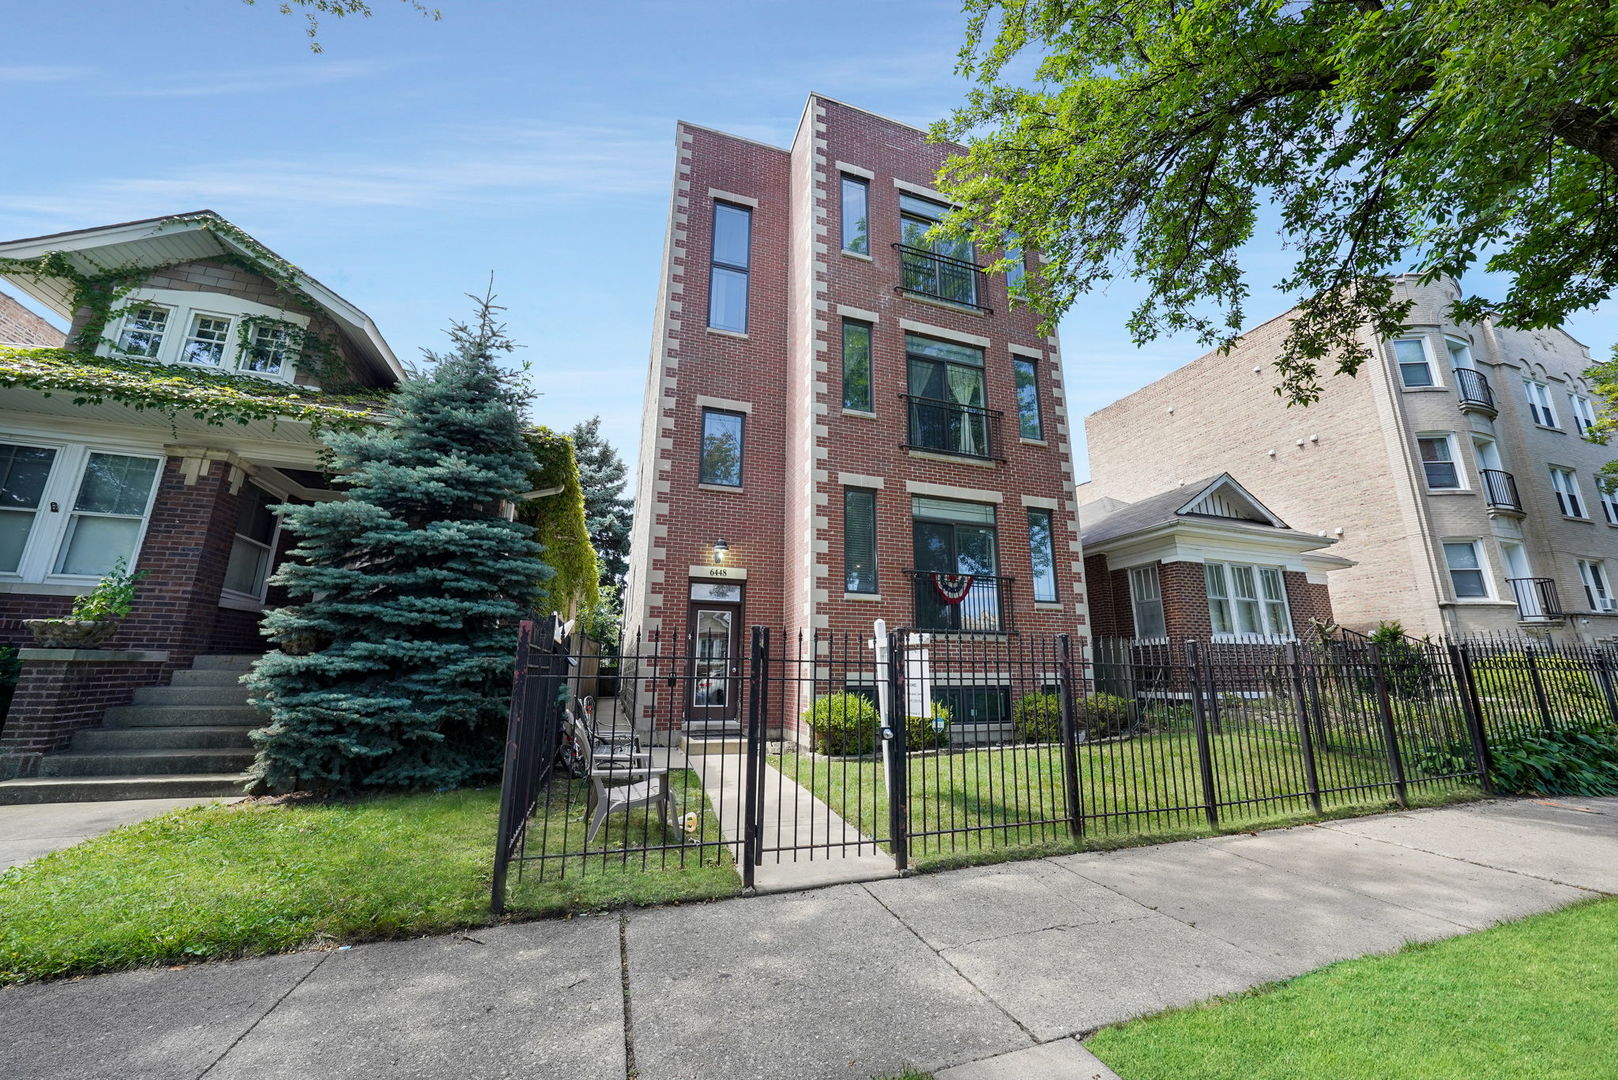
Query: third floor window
(1539, 403)
(727, 281)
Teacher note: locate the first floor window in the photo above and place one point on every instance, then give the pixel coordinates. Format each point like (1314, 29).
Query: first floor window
(1414, 367)
(1609, 500)
(24, 471)
(859, 540)
(1594, 577)
(857, 366)
(1566, 486)
(1247, 600)
(1465, 568)
(1145, 593)
(254, 546)
(721, 448)
(1042, 550)
(143, 330)
(1438, 462)
(206, 342)
(109, 509)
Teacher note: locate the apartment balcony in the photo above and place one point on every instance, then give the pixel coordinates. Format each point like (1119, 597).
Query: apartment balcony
(1474, 392)
(1536, 599)
(961, 603)
(939, 277)
(1500, 492)
(943, 427)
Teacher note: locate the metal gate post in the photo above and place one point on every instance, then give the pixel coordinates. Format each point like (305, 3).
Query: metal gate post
(1070, 742)
(894, 737)
(513, 763)
(1604, 677)
(1390, 734)
(1460, 658)
(1199, 722)
(1311, 773)
(753, 774)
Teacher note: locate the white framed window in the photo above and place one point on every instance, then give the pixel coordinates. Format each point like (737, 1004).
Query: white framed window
(253, 548)
(1247, 600)
(1460, 352)
(1467, 579)
(1539, 403)
(1415, 366)
(70, 511)
(1146, 595)
(172, 326)
(1566, 485)
(1584, 415)
(1438, 462)
(1609, 500)
(1593, 575)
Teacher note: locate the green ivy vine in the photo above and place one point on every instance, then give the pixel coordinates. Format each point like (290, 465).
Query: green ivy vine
(559, 523)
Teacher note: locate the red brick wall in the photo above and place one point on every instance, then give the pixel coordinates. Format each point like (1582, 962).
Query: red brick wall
(1185, 600)
(54, 699)
(19, 326)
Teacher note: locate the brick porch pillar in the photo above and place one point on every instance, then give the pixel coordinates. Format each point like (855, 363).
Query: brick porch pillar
(64, 690)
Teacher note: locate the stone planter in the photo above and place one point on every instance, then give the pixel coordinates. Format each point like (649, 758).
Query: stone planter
(71, 633)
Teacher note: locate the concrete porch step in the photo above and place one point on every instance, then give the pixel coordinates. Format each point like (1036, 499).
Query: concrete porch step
(207, 677)
(129, 716)
(702, 745)
(190, 695)
(118, 788)
(224, 662)
(192, 737)
(144, 762)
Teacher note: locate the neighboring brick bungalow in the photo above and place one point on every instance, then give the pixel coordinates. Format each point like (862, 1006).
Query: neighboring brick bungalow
(1202, 562)
(84, 483)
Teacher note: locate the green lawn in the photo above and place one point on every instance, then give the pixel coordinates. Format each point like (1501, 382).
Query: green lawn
(1146, 787)
(1531, 999)
(253, 878)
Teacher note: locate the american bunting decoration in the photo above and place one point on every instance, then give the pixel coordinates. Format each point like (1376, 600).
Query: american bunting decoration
(952, 588)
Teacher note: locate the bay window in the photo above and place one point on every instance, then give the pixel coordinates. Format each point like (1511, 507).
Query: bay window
(1247, 600)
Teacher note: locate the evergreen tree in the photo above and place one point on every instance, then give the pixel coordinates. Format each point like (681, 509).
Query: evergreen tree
(393, 666)
(607, 513)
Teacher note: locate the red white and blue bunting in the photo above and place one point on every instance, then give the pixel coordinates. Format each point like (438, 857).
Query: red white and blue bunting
(952, 588)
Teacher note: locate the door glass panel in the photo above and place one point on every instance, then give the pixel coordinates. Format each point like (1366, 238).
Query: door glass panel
(709, 688)
(23, 472)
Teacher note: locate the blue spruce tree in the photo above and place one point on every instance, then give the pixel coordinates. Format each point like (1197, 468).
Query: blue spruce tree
(393, 659)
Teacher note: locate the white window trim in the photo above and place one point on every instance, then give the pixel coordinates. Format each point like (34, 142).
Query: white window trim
(44, 545)
(231, 598)
(1485, 571)
(1135, 602)
(183, 306)
(1230, 600)
(1452, 339)
(1609, 502)
(1433, 369)
(1539, 395)
(1461, 479)
(1600, 599)
(1584, 416)
(1563, 473)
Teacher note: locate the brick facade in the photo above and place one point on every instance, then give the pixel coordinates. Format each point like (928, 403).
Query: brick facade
(19, 326)
(56, 697)
(784, 526)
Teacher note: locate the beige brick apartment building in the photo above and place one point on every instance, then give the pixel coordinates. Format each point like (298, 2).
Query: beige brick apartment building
(863, 416)
(1452, 470)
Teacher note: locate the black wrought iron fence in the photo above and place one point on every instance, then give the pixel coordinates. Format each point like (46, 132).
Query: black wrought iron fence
(749, 752)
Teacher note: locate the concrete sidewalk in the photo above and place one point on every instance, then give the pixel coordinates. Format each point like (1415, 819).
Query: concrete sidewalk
(29, 830)
(946, 971)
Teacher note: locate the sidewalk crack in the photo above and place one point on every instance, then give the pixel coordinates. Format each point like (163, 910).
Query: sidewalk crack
(276, 1004)
(631, 1070)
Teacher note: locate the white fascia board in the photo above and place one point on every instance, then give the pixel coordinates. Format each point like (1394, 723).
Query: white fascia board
(1198, 542)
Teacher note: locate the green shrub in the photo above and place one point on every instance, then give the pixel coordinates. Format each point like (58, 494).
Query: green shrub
(920, 732)
(842, 724)
(1566, 681)
(1405, 663)
(1104, 715)
(1038, 717)
(10, 667)
(1570, 761)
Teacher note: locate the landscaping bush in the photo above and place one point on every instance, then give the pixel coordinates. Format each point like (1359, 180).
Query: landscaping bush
(1405, 664)
(1570, 761)
(1038, 718)
(920, 732)
(1566, 681)
(1104, 715)
(843, 724)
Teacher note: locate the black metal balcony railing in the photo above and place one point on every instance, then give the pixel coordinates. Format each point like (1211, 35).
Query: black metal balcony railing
(1500, 490)
(943, 427)
(968, 604)
(1536, 598)
(1474, 390)
(927, 273)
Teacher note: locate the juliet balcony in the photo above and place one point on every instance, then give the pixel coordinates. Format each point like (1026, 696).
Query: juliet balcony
(939, 277)
(1474, 392)
(961, 603)
(1536, 599)
(1500, 492)
(945, 427)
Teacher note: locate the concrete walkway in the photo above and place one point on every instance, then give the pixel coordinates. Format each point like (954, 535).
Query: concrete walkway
(29, 830)
(948, 972)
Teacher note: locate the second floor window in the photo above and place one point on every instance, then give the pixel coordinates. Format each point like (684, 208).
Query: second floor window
(1539, 403)
(143, 331)
(1566, 486)
(727, 281)
(721, 448)
(206, 342)
(1042, 551)
(1029, 423)
(946, 392)
(1414, 367)
(856, 215)
(857, 366)
(1438, 462)
(212, 330)
(1584, 417)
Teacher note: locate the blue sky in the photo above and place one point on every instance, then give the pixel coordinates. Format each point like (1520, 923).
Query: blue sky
(534, 140)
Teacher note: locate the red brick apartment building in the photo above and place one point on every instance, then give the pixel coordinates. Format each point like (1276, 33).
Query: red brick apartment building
(844, 420)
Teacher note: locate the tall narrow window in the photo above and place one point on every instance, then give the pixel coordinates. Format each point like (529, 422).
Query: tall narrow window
(1539, 403)
(250, 553)
(859, 540)
(1465, 569)
(1042, 551)
(1414, 367)
(143, 330)
(721, 448)
(856, 216)
(1609, 500)
(1017, 272)
(1029, 423)
(857, 366)
(1566, 486)
(1584, 417)
(1146, 594)
(1277, 618)
(107, 513)
(206, 342)
(727, 281)
(24, 471)
(1593, 575)
(1438, 462)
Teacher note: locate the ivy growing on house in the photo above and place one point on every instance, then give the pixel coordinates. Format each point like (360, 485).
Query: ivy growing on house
(559, 523)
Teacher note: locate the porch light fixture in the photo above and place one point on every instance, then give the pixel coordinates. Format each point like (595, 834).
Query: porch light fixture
(720, 550)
